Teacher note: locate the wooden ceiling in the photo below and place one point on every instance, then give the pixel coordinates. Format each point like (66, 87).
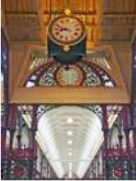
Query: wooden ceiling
(26, 21)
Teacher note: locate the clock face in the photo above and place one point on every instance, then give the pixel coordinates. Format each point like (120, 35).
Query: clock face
(71, 76)
(66, 30)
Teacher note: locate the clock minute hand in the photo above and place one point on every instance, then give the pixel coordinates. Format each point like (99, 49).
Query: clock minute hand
(64, 29)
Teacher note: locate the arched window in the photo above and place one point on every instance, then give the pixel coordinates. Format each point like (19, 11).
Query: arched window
(84, 74)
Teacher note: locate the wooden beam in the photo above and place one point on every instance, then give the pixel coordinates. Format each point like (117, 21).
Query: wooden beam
(78, 12)
(25, 46)
(70, 95)
(16, 59)
(26, 43)
(23, 69)
(24, 28)
(23, 13)
(115, 27)
(42, 32)
(3, 24)
(116, 15)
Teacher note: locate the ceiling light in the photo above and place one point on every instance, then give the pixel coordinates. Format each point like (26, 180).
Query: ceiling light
(70, 142)
(70, 153)
(69, 133)
(69, 120)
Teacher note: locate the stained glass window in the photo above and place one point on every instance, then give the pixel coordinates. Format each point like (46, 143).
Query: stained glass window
(91, 79)
(47, 79)
(80, 74)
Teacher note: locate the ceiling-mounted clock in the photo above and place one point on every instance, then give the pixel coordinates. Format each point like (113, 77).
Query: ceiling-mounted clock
(66, 40)
(66, 30)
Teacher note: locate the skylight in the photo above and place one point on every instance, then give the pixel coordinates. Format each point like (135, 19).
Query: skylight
(62, 142)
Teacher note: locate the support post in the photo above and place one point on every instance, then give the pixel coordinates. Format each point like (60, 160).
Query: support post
(106, 133)
(33, 142)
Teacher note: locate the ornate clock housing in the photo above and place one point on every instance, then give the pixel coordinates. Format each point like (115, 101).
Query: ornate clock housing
(66, 39)
(66, 30)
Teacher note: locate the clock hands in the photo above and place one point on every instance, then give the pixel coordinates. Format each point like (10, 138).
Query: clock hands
(64, 29)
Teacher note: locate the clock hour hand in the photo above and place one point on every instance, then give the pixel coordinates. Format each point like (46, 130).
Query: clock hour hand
(64, 29)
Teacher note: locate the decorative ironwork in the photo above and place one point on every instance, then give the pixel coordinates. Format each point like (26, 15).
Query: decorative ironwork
(43, 76)
(119, 163)
(101, 57)
(47, 79)
(91, 79)
(102, 75)
(115, 161)
(112, 161)
(19, 156)
(97, 109)
(38, 59)
(84, 74)
(19, 170)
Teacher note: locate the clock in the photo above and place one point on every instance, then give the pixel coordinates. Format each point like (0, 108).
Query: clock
(69, 76)
(66, 30)
(66, 40)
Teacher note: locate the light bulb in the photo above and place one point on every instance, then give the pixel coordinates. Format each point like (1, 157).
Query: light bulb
(70, 120)
(69, 133)
(70, 142)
